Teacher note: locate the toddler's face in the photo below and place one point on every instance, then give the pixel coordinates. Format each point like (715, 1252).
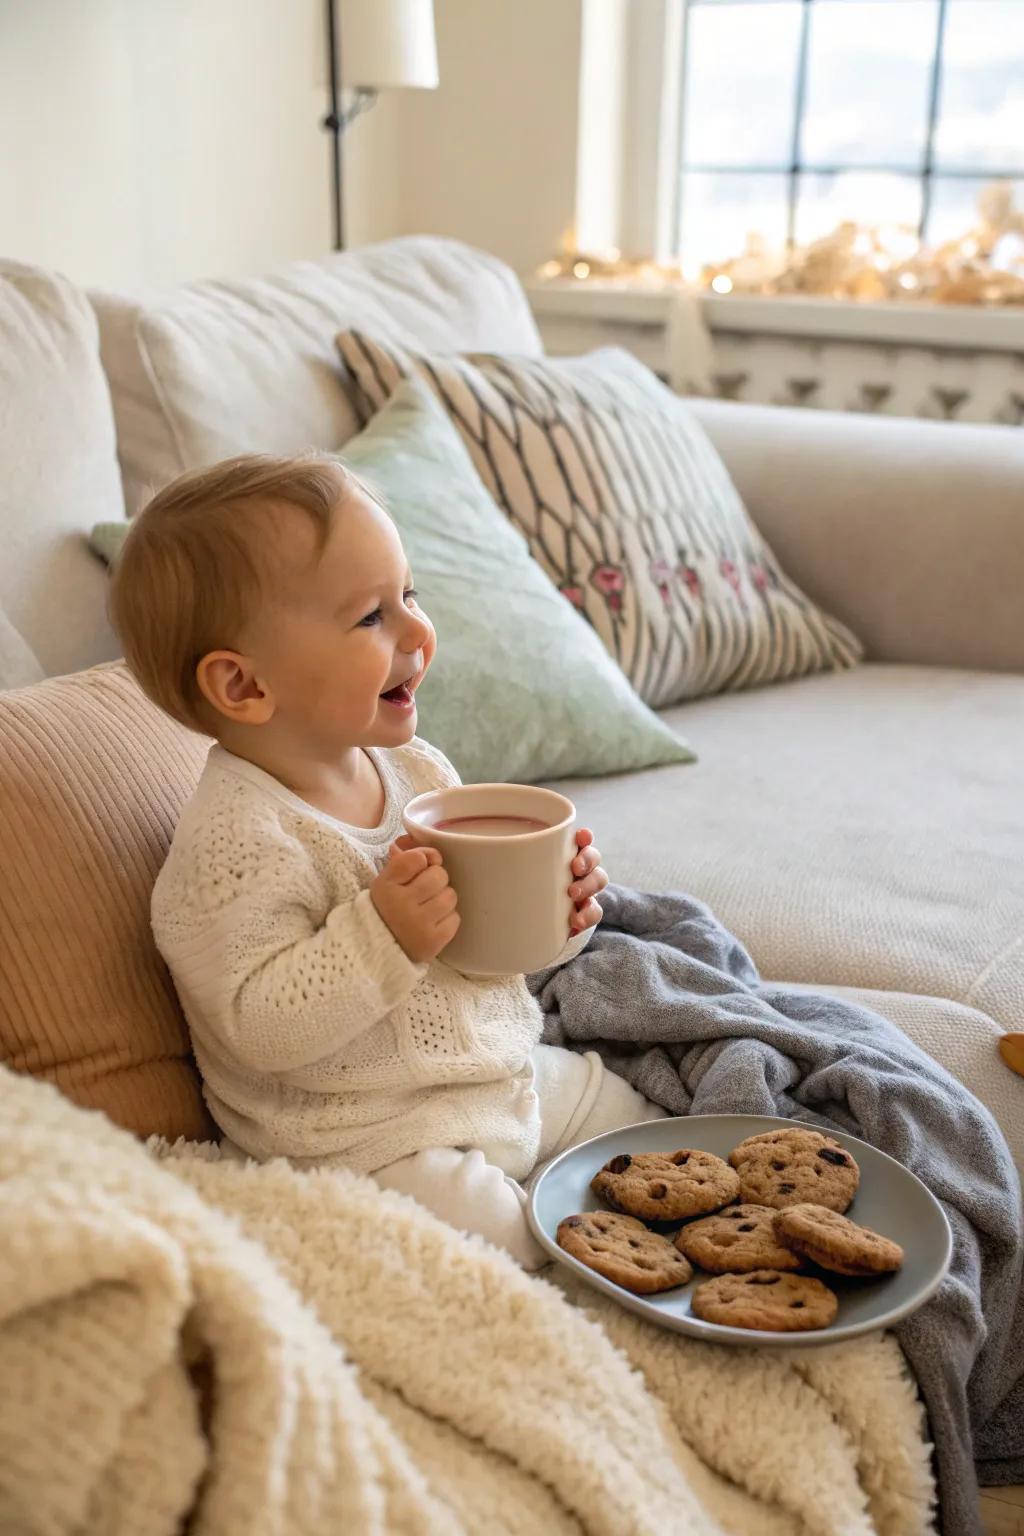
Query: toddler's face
(342, 646)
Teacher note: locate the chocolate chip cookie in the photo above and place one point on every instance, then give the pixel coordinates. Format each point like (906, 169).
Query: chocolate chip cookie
(622, 1249)
(666, 1186)
(738, 1239)
(794, 1166)
(766, 1299)
(835, 1242)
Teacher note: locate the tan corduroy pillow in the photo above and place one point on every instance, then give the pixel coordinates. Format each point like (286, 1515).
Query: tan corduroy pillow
(92, 780)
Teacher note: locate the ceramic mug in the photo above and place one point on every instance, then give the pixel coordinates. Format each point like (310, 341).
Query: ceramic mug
(508, 850)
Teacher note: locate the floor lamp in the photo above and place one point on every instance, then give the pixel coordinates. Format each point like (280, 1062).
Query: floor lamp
(372, 46)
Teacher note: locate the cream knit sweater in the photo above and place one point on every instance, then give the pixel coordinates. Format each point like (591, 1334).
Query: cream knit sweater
(317, 1037)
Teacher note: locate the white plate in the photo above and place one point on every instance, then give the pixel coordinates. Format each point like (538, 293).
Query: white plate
(891, 1200)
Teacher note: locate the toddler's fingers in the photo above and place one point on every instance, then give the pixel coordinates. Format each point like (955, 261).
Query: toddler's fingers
(402, 848)
(405, 864)
(587, 917)
(440, 906)
(584, 837)
(595, 882)
(446, 929)
(586, 861)
(429, 883)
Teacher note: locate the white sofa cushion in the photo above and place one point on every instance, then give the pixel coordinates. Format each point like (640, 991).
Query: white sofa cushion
(18, 663)
(214, 369)
(60, 472)
(857, 829)
(962, 1040)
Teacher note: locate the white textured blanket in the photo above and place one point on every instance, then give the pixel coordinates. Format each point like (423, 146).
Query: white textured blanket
(272, 1353)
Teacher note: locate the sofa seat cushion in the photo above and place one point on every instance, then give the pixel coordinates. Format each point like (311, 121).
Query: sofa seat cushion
(60, 473)
(861, 829)
(963, 1041)
(211, 369)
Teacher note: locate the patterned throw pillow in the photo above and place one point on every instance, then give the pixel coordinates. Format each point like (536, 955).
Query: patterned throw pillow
(628, 508)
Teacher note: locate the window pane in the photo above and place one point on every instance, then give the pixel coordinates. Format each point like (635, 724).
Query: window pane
(868, 79)
(954, 207)
(981, 120)
(740, 87)
(865, 197)
(718, 212)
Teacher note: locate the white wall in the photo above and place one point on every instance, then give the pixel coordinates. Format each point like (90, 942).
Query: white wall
(492, 153)
(155, 140)
(150, 140)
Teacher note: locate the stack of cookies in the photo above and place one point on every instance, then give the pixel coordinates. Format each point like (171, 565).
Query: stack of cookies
(758, 1223)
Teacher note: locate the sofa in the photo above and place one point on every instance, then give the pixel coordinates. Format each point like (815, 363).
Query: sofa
(861, 831)
(858, 830)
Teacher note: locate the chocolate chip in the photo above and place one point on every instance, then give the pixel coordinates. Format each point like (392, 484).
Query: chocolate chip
(573, 1221)
(786, 1189)
(796, 1304)
(679, 1158)
(828, 1155)
(778, 1167)
(748, 1226)
(619, 1164)
(657, 1191)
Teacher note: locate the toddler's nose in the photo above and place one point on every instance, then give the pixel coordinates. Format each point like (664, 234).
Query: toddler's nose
(417, 633)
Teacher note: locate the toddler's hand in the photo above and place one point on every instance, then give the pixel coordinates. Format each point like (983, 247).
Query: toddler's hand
(586, 864)
(413, 897)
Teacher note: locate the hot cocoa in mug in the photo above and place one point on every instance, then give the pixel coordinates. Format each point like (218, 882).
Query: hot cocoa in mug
(508, 850)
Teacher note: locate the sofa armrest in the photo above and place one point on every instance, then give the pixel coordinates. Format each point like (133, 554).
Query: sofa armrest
(911, 532)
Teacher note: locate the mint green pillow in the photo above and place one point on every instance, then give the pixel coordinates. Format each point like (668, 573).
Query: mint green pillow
(521, 687)
(106, 539)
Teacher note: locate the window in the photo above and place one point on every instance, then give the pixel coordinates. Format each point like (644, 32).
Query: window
(798, 114)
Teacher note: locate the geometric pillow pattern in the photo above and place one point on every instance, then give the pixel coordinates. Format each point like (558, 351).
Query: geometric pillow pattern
(628, 508)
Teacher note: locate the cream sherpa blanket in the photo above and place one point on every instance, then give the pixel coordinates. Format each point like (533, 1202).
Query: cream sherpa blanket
(263, 1352)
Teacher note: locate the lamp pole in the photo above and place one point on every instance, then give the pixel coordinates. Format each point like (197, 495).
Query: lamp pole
(334, 124)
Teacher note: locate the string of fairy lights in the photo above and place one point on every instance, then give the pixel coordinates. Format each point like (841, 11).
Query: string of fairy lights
(855, 262)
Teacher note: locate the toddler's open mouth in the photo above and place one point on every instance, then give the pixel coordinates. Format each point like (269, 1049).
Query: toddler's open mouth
(400, 697)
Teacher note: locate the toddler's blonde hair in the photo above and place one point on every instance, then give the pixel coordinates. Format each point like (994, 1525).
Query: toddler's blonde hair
(199, 557)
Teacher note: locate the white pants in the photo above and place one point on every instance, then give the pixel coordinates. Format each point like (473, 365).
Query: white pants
(578, 1099)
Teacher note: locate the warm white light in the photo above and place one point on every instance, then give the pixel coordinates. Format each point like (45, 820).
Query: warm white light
(970, 249)
(721, 283)
(549, 269)
(907, 280)
(581, 269)
(862, 245)
(898, 241)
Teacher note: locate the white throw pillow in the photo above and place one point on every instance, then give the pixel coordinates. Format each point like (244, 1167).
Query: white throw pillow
(18, 666)
(212, 369)
(60, 474)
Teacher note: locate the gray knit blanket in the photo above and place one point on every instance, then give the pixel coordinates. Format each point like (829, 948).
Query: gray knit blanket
(674, 1004)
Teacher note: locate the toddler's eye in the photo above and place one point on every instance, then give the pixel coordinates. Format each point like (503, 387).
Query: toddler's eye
(371, 619)
(411, 595)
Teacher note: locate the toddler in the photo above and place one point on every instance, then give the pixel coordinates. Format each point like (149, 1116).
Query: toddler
(268, 602)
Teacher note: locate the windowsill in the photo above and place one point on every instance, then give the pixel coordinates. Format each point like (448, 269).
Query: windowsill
(958, 327)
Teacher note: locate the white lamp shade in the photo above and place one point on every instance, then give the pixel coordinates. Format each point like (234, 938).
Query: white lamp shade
(388, 43)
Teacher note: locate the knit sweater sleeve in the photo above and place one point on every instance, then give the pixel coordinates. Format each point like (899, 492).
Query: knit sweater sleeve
(264, 972)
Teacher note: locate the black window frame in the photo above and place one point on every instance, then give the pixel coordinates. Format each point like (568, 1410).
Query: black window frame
(925, 173)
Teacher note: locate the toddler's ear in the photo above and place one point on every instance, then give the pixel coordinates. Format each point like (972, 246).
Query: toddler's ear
(229, 684)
